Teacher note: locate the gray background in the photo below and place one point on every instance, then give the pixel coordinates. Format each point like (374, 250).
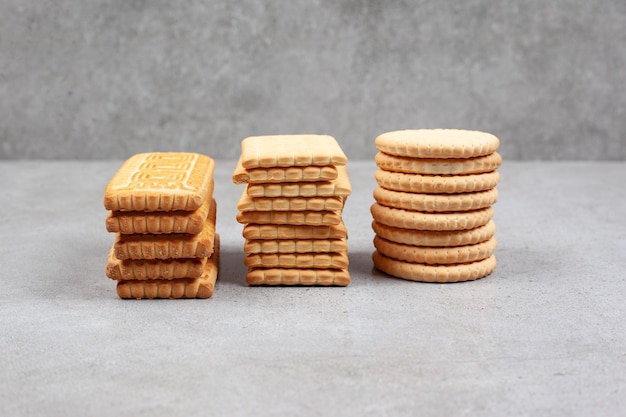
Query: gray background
(105, 79)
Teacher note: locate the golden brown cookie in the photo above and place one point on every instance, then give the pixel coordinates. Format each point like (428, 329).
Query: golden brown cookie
(290, 276)
(435, 202)
(160, 181)
(291, 150)
(435, 255)
(437, 143)
(247, 203)
(407, 219)
(435, 238)
(434, 273)
(336, 260)
(283, 174)
(433, 166)
(436, 184)
(295, 245)
(273, 231)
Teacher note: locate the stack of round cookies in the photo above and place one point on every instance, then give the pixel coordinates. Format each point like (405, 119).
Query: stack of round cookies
(433, 214)
(292, 210)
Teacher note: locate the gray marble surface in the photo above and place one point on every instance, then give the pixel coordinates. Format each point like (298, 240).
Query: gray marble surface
(544, 335)
(98, 79)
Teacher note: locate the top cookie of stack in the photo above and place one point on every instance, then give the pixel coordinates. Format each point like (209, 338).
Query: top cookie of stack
(432, 215)
(291, 209)
(161, 206)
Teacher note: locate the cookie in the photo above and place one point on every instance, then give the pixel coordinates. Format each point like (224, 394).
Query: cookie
(435, 238)
(160, 222)
(272, 231)
(312, 218)
(437, 143)
(435, 202)
(141, 269)
(434, 273)
(167, 246)
(283, 174)
(295, 246)
(160, 181)
(430, 221)
(291, 150)
(436, 184)
(339, 187)
(434, 255)
(429, 166)
(336, 260)
(201, 287)
(247, 203)
(288, 276)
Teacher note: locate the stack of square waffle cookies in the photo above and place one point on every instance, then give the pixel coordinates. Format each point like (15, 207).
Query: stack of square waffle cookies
(161, 206)
(292, 210)
(433, 214)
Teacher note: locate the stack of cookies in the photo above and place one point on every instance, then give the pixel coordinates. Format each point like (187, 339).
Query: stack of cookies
(161, 206)
(292, 210)
(433, 214)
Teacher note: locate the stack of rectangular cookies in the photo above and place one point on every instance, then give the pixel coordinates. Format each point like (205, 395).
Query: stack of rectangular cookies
(433, 214)
(292, 210)
(162, 210)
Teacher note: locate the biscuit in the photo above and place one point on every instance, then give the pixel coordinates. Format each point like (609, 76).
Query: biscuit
(160, 222)
(339, 187)
(165, 246)
(434, 273)
(435, 238)
(295, 245)
(437, 143)
(285, 276)
(141, 269)
(283, 174)
(478, 165)
(247, 203)
(201, 287)
(312, 218)
(430, 221)
(336, 260)
(160, 181)
(435, 202)
(291, 150)
(272, 231)
(434, 255)
(436, 184)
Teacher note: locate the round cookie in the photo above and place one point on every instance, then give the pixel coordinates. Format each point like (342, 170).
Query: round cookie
(435, 238)
(431, 166)
(437, 143)
(436, 184)
(431, 273)
(407, 219)
(435, 202)
(434, 255)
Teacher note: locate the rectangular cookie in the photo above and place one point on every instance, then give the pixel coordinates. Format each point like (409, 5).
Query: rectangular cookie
(273, 231)
(201, 287)
(158, 222)
(142, 269)
(336, 260)
(160, 181)
(312, 218)
(165, 246)
(283, 174)
(295, 246)
(291, 276)
(291, 150)
(338, 187)
(247, 203)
